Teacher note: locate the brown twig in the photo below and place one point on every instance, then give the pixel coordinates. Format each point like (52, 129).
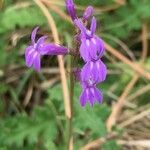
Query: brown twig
(121, 2)
(97, 143)
(144, 42)
(59, 12)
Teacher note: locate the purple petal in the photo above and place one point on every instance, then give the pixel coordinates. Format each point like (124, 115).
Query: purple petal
(33, 35)
(93, 25)
(40, 42)
(80, 25)
(71, 9)
(98, 95)
(100, 46)
(27, 50)
(83, 98)
(91, 96)
(53, 49)
(88, 12)
(101, 70)
(37, 62)
(93, 49)
(84, 50)
(94, 72)
(29, 57)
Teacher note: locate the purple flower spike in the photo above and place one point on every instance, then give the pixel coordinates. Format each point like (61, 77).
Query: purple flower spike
(94, 70)
(88, 12)
(91, 95)
(71, 9)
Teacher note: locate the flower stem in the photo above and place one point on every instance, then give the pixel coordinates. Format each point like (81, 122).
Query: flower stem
(69, 120)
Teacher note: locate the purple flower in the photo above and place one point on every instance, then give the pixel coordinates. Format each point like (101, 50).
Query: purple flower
(33, 52)
(90, 94)
(88, 12)
(71, 9)
(92, 47)
(95, 70)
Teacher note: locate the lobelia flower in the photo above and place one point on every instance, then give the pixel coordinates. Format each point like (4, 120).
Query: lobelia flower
(94, 69)
(34, 52)
(71, 9)
(92, 47)
(90, 94)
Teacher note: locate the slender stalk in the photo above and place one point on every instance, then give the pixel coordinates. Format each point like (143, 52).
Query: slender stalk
(67, 100)
(70, 128)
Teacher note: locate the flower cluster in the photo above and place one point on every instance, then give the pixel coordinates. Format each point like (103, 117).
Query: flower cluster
(91, 50)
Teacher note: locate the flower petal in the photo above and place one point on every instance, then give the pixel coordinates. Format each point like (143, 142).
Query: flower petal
(71, 9)
(29, 57)
(33, 35)
(98, 95)
(53, 49)
(93, 25)
(101, 70)
(84, 50)
(88, 12)
(94, 72)
(37, 62)
(80, 25)
(91, 96)
(100, 46)
(40, 42)
(83, 98)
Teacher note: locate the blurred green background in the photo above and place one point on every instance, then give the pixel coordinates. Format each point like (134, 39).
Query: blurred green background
(31, 104)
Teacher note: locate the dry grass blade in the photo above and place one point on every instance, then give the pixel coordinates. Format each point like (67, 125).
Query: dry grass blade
(48, 83)
(29, 94)
(135, 118)
(142, 143)
(139, 92)
(97, 143)
(137, 68)
(117, 108)
(52, 25)
(59, 12)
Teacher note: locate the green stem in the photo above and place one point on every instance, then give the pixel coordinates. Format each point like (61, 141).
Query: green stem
(69, 120)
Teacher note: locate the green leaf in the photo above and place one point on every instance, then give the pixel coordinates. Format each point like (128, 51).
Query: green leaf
(28, 16)
(111, 145)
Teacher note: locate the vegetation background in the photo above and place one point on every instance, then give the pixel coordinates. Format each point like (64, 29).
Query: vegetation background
(32, 110)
